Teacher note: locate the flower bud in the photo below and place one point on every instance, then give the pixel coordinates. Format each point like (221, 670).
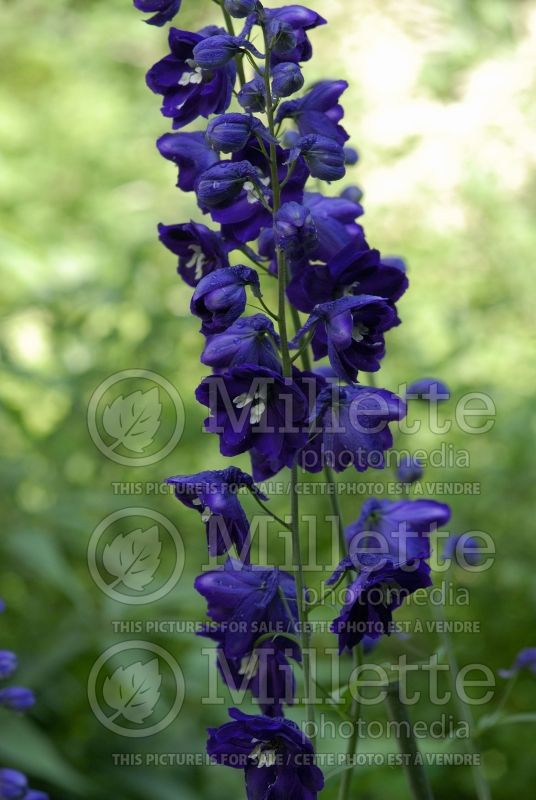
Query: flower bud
(220, 297)
(8, 664)
(16, 698)
(13, 784)
(230, 133)
(281, 37)
(324, 157)
(287, 78)
(295, 230)
(240, 8)
(410, 469)
(216, 51)
(218, 186)
(252, 96)
(351, 156)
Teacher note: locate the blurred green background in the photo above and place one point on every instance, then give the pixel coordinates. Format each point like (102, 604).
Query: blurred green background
(442, 108)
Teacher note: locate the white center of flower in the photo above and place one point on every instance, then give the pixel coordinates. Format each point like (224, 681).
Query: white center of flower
(195, 76)
(359, 332)
(257, 408)
(264, 758)
(198, 261)
(252, 192)
(206, 513)
(249, 665)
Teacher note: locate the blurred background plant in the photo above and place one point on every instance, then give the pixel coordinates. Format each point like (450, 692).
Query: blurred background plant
(441, 106)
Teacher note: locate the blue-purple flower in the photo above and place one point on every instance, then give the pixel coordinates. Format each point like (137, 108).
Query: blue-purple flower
(295, 231)
(216, 51)
(323, 156)
(164, 10)
(350, 427)
(220, 297)
(525, 659)
(14, 786)
(188, 90)
(8, 664)
(252, 95)
(248, 603)
(256, 409)
(222, 183)
(318, 111)
(200, 250)
(16, 698)
(214, 494)
(191, 153)
(430, 389)
(287, 78)
(373, 596)
(299, 20)
(394, 532)
(230, 133)
(409, 469)
(266, 671)
(250, 340)
(350, 332)
(240, 8)
(464, 550)
(277, 758)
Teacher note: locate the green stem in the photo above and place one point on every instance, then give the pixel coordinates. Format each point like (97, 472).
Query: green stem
(347, 775)
(417, 777)
(287, 372)
(464, 712)
(270, 512)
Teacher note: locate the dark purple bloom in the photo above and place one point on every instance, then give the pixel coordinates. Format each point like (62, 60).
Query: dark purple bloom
(525, 659)
(410, 469)
(352, 193)
(200, 250)
(240, 8)
(190, 152)
(464, 550)
(217, 51)
(16, 698)
(361, 269)
(351, 156)
(372, 598)
(287, 78)
(252, 96)
(335, 220)
(319, 111)
(230, 133)
(221, 184)
(265, 672)
(350, 332)
(8, 664)
(323, 156)
(277, 758)
(395, 533)
(165, 10)
(250, 340)
(295, 231)
(300, 20)
(243, 218)
(256, 409)
(429, 389)
(350, 428)
(220, 297)
(214, 495)
(247, 603)
(188, 90)
(14, 786)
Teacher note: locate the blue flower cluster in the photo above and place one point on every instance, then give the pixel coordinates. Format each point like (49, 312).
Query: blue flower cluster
(13, 784)
(250, 171)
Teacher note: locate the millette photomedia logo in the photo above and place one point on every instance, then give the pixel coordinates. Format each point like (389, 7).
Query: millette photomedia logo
(135, 417)
(136, 556)
(136, 689)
